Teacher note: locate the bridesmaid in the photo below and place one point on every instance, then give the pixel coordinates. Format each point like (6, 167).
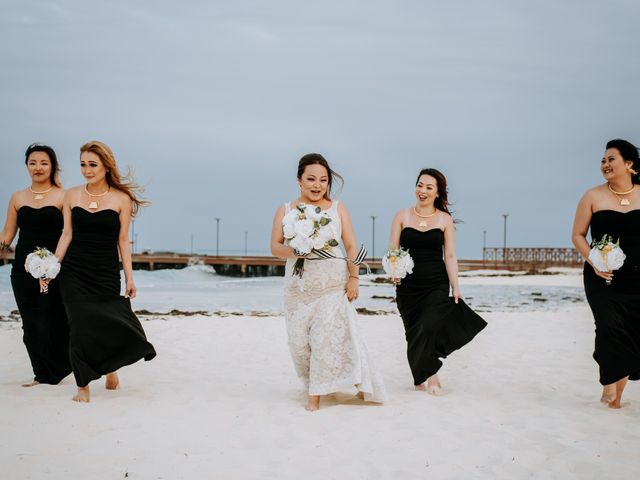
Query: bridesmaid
(613, 208)
(36, 213)
(435, 324)
(105, 334)
(328, 350)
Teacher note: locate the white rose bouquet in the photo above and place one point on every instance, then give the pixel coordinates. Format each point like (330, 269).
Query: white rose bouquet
(307, 229)
(606, 255)
(42, 264)
(397, 262)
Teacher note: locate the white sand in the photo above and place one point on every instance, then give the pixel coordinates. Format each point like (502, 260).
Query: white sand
(221, 401)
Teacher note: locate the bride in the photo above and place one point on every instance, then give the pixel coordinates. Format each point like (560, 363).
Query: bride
(328, 351)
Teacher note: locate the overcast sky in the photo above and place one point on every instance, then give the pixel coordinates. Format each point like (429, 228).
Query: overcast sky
(213, 103)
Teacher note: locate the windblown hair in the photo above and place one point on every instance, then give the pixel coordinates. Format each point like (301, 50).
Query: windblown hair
(442, 201)
(114, 178)
(317, 159)
(55, 167)
(629, 152)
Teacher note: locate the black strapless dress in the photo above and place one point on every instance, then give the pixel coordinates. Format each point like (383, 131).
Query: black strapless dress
(616, 307)
(434, 324)
(105, 334)
(44, 322)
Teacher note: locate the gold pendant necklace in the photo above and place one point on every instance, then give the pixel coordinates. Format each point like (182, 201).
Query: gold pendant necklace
(624, 202)
(93, 205)
(423, 223)
(40, 195)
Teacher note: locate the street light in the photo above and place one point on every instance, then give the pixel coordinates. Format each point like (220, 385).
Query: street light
(484, 242)
(217, 237)
(373, 237)
(504, 247)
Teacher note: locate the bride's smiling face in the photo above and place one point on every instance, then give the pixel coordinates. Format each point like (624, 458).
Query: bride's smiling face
(313, 183)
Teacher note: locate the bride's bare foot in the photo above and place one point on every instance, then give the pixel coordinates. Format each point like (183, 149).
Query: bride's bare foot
(313, 404)
(434, 387)
(82, 395)
(30, 384)
(112, 382)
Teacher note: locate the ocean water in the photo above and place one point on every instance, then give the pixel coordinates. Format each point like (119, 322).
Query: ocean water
(199, 288)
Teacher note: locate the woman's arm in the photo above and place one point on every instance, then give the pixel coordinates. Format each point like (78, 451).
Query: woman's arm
(278, 248)
(450, 257)
(396, 229)
(351, 248)
(10, 225)
(125, 248)
(581, 223)
(67, 229)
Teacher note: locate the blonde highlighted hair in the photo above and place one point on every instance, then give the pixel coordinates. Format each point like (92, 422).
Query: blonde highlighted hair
(113, 177)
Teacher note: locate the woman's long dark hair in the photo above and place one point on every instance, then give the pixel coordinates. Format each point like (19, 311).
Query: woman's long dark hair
(442, 200)
(629, 152)
(317, 159)
(55, 167)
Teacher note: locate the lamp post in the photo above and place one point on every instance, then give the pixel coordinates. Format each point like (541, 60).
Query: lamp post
(373, 237)
(217, 236)
(504, 243)
(484, 242)
(245, 243)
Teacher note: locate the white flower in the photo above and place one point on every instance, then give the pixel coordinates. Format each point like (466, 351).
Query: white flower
(302, 244)
(318, 242)
(615, 258)
(607, 260)
(313, 213)
(397, 264)
(303, 228)
(35, 266)
(288, 230)
(52, 266)
(291, 217)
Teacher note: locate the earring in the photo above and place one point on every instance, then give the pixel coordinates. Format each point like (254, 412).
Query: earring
(631, 171)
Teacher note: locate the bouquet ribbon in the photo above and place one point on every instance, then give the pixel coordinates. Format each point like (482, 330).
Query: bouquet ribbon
(324, 255)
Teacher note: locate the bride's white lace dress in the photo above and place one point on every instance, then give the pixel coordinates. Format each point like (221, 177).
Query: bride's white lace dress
(328, 350)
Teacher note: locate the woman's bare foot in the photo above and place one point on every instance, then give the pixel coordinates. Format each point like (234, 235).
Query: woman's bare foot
(612, 394)
(608, 394)
(82, 395)
(313, 404)
(112, 382)
(434, 387)
(30, 384)
(421, 387)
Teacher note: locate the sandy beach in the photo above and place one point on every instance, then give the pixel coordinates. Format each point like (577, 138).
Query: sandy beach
(221, 401)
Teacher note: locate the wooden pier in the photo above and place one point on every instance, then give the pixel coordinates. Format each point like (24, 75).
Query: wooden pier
(528, 259)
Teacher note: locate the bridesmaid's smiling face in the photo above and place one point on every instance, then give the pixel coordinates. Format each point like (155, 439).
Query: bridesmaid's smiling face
(313, 183)
(92, 168)
(426, 190)
(39, 166)
(613, 165)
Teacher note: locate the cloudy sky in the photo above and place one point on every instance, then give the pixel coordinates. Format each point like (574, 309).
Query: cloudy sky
(213, 103)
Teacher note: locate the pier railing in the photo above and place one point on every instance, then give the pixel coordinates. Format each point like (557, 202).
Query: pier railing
(530, 258)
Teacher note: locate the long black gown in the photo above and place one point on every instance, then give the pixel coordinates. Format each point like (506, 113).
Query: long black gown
(616, 307)
(44, 322)
(105, 334)
(434, 324)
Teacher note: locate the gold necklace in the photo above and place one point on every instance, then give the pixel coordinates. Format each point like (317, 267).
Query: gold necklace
(40, 195)
(93, 205)
(624, 202)
(423, 223)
